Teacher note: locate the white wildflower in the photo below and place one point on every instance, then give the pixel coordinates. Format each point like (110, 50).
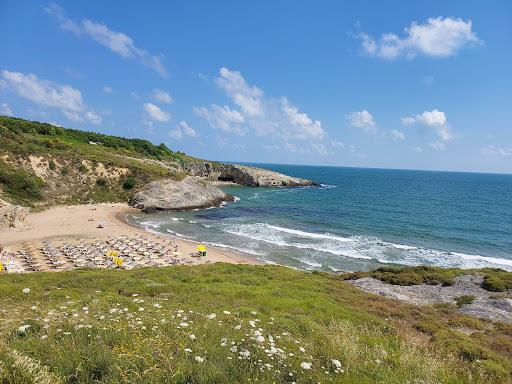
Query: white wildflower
(238, 326)
(260, 339)
(305, 365)
(26, 291)
(211, 316)
(192, 337)
(226, 312)
(336, 363)
(141, 309)
(302, 349)
(188, 350)
(23, 328)
(183, 325)
(199, 359)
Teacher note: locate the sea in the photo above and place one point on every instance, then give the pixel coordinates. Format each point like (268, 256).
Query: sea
(359, 219)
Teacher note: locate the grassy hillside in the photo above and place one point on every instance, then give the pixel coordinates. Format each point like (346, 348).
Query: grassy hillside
(39, 161)
(232, 324)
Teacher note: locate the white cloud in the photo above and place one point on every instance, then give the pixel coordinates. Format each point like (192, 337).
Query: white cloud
(437, 37)
(434, 119)
(397, 135)
(154, 113)
(162, 96)
(224, 143)
(246, 97)
(93, 117)
(5, 110)
(117, 42)
(44, 92)
(304, 127)
(223, 118)
(107, 89)
(337, 144)
(437, 145)
(362, 119)
(407, 120)
(277, 118)
(492, 151)
(50, 94)
(183, 129)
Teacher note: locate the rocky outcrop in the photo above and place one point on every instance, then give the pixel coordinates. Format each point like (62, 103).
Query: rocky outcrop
(167, 194)
(485, 304)
(12, 216)
(244, 175)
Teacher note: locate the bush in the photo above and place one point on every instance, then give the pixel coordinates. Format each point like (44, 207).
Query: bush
(494, 284)
(52, 165)
(64, 171)
(102, 182)
(129, 183)
(83, 168)
(465, 299)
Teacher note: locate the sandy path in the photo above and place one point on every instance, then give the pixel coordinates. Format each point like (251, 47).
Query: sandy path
(81, 221)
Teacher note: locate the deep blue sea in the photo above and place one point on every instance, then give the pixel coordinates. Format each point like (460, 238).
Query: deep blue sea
(360, 219)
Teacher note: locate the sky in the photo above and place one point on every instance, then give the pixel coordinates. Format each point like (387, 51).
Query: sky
(414, 85)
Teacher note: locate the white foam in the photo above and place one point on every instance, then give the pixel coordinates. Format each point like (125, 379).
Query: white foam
(311, 235)
(236, 199)
(243, 250)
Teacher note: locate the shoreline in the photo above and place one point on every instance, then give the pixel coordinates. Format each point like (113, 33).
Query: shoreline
(79, 222)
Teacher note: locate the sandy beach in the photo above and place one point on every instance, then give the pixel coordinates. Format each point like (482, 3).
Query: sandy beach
(79, 222)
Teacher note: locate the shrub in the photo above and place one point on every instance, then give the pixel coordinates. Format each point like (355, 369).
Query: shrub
(465, 299)
(102, 182)
(64, 171)
(83, 168)
(129, 183)
(494, 284)
(52, 165)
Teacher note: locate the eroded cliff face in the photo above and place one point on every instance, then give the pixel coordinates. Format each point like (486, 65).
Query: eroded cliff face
(168, 194)
(243, 175)
(12, 216)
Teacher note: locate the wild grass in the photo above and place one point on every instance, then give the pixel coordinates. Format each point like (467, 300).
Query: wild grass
(231, 324)
(495, 280)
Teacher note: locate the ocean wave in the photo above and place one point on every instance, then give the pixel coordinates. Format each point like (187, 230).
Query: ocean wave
(327, 186)
(239, 249)
(236, 199)
(311, 235)
(361, 247)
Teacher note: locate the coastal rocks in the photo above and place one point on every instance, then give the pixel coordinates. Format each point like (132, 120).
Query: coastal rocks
(167, 194)
(244, 175)
(485, 304)
(12, 216)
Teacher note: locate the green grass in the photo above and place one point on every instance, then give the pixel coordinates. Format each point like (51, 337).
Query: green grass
(495, 280)
(87, 327)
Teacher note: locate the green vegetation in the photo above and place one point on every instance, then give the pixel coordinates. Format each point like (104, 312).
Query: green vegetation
(62, 138)
(71, 154)
(115, 326)
(465, 299)
(20, 185)
(129, 183)
(495, 280)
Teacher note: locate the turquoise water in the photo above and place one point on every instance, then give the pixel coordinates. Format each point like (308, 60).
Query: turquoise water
(360, 219)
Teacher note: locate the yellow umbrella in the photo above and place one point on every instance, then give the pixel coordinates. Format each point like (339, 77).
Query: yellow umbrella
(112, 253)
(1, 267)
(118, 261)
(201, 248)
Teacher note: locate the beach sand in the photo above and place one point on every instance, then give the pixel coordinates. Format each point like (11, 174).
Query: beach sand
(80, 222)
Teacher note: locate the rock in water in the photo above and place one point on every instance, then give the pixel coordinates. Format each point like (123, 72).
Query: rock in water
(12, 216)
(167, 194)
(244, 175)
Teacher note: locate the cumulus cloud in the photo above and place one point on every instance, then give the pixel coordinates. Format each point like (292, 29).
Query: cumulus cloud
(492, 151)
(162, 96)
(437, 37)
(183, 129)
(434, 119)
(362, 119)
(154, 113)
(5, 110)
(397, 135)
(277, 118)
(248, 98)
(117, 42)
(223, 118)
(50, 94)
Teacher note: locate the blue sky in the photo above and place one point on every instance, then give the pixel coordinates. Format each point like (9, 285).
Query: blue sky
(417, 85)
